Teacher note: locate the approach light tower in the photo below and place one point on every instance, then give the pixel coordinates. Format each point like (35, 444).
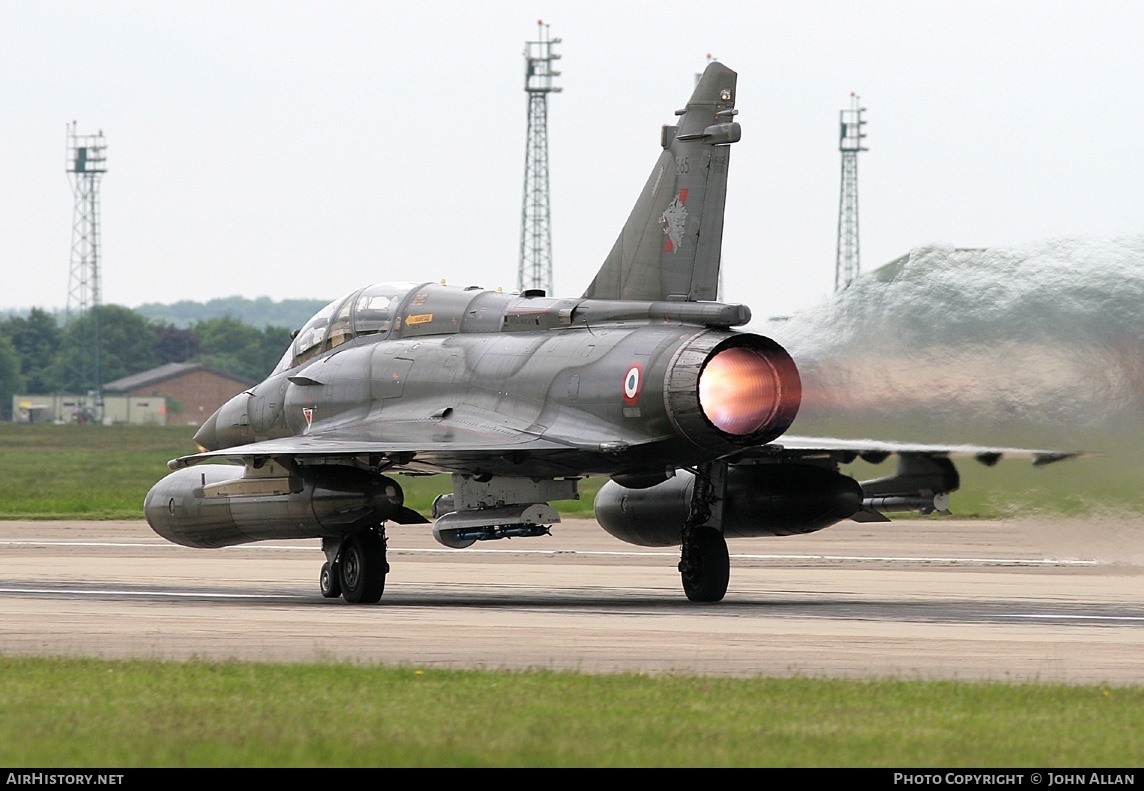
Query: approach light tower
(850, 142)
(86, 163)
(535, 218)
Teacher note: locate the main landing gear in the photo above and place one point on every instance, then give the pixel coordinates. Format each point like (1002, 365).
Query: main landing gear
(704, 563)
(355, 568)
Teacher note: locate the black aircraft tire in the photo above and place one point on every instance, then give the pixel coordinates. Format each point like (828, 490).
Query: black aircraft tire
(706, 580)
(330, 582)
(362, 568)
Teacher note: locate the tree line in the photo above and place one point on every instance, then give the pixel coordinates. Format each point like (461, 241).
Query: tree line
(39, 356)
(259, 312)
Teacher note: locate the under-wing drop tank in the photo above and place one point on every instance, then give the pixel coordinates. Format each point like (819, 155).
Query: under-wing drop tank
(214, 505)
(762, 500)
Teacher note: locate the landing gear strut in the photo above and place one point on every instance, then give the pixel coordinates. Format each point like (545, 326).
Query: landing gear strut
(357, 573)
(704, 564)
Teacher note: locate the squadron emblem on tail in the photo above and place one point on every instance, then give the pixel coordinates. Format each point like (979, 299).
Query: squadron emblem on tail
(674, 220)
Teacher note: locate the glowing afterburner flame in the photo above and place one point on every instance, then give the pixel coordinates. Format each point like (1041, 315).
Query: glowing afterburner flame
(739, 390)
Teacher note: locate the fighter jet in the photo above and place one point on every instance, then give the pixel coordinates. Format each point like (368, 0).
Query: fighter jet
(518, 397)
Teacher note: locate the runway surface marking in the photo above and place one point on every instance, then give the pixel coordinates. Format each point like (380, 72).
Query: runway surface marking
(1073, 617)
(120, 592)
(600, 553)
(169, 594)
(1033, 602)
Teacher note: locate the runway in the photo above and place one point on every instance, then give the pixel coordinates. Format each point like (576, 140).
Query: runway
(1018, 601)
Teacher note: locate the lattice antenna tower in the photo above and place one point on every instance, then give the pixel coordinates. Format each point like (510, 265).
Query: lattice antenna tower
(86, 163)
(850, 141)
(535, 270)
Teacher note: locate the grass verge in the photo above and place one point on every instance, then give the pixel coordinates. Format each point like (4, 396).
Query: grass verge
(104, 472)
(84, 472)
(85, 712)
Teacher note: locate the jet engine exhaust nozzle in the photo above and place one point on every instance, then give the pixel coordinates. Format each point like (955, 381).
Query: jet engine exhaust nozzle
(739, 390)
(744, 387)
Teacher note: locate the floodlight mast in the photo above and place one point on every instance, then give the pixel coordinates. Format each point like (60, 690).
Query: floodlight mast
(535, 270)
(850, 142)
(86, 163)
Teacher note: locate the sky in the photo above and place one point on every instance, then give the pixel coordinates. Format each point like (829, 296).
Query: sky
(304, 149)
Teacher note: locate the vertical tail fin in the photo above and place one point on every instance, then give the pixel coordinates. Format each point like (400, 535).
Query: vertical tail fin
(670, 246)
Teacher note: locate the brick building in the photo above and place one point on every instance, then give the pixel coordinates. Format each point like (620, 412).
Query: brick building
(193, 391)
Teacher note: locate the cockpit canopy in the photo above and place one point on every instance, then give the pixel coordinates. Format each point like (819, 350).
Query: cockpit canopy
(367, 311)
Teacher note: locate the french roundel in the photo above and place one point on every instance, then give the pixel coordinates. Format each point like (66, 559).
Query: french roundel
(633, 381)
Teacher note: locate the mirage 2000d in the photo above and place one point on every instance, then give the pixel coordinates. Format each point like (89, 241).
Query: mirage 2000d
(518, 397)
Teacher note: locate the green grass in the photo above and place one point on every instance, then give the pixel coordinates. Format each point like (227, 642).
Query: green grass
(1014, 487)
(84, 472)
(75, 713)
(104, 472)
(1105, 481)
